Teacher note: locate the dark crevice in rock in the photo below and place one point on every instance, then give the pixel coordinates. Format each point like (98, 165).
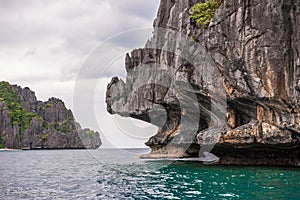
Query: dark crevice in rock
(254, 49)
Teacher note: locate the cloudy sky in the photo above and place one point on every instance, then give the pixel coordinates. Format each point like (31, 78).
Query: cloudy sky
(47, 45)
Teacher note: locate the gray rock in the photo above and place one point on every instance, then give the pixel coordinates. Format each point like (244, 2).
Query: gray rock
(250, 53)
(52, 127)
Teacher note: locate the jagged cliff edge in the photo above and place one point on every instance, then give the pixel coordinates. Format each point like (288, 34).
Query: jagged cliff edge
(254, 47)
(26, 123)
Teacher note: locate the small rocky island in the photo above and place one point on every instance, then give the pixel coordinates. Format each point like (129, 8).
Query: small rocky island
(242, 103)
(26, 123)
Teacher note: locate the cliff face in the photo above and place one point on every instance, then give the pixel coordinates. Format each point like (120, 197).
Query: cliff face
(242, 99)
(28, 123)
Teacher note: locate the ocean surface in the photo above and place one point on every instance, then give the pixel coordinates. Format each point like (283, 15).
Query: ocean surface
(120, 174)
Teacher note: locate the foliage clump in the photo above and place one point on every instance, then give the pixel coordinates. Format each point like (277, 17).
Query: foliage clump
(90, 134)
(66, 128)
(202, 13)
(19, 115)
(44, 123)
(44, 137)
(48, 105)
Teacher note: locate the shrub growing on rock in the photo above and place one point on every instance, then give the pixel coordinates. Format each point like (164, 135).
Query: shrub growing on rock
(202, 13)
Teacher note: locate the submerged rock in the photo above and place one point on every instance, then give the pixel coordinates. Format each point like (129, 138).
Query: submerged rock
(238, 83)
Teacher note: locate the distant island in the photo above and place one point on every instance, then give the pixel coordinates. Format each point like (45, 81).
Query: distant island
(26, 123)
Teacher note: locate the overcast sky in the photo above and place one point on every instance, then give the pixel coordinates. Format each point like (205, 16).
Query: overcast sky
(45, 44)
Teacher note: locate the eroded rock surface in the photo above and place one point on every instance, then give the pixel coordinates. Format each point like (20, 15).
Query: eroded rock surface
(249, 54)
(51, 126)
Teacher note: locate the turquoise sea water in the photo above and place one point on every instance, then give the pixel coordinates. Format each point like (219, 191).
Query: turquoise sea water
(120, 174)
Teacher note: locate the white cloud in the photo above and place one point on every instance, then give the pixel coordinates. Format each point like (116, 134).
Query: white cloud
(45, 43)
(118, 131)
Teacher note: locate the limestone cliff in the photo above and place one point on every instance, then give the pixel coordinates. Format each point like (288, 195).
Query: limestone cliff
(27, 123)
(242, 95)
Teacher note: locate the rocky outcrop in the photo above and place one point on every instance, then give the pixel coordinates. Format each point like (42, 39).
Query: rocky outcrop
(39, 125)
(232, 89)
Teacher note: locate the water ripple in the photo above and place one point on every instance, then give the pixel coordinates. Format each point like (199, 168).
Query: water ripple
(115, 175)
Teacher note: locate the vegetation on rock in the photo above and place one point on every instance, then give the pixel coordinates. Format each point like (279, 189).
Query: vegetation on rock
(26, 122)
(19, 115)
(202, 13)
(44, 137)
(90, 133)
